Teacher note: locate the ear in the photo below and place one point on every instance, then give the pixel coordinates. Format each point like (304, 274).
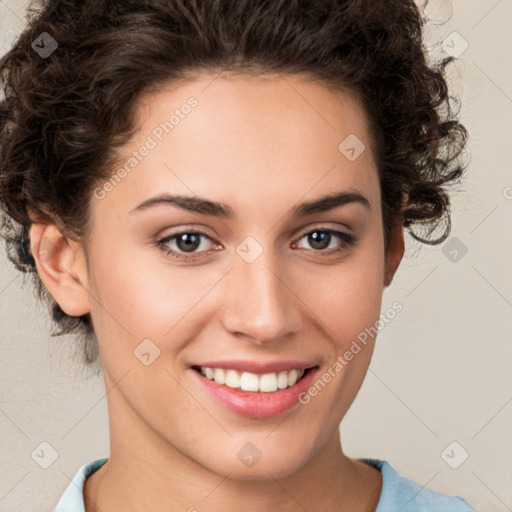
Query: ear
(394, 253)
(61, 265)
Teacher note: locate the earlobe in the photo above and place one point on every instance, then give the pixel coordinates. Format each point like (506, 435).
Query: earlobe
(61, 266)
(394, 253)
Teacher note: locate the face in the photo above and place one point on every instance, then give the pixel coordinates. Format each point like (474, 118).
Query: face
(267, 280)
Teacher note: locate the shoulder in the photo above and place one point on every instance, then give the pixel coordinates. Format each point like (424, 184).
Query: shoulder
(72, 500)
(400, 493)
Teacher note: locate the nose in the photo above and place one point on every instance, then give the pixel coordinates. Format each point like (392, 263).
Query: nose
(258, 302)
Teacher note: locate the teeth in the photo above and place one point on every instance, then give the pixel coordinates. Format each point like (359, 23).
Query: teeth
(249, 382)
(219, 376)
(246, 381)
(232, 379)
(268, 382)
(282, 380)
(292, 377)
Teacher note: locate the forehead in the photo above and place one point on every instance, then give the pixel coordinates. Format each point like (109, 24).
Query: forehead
(272, 138)
(294, 106)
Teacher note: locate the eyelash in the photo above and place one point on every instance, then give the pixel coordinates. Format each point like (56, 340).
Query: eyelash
(345, 239)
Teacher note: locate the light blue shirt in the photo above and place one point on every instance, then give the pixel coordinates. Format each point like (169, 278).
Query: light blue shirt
(398, 493)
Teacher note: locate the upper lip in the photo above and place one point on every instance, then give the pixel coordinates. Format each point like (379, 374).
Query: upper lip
(259, 368)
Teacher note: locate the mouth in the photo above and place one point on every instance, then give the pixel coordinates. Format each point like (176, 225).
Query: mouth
(259, 393)
(253, 382)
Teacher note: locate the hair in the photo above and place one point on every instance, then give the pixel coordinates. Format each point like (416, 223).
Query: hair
(63, 117)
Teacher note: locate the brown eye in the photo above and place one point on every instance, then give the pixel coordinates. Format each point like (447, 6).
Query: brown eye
(319, 239)
(328, 241)
(178, 245)
(188, 242)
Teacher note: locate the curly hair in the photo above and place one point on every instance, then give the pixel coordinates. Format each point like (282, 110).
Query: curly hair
(62, 117)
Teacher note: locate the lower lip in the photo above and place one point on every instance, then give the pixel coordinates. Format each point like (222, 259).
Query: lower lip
(257, 404)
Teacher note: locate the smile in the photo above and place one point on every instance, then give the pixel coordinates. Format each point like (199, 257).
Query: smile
(253, 389)
(247, 381)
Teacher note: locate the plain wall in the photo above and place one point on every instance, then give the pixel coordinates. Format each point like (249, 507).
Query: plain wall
(441, 371)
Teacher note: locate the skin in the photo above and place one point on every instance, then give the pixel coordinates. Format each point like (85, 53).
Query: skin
(261, 145)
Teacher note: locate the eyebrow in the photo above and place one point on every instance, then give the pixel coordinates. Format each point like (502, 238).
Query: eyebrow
(207, 207)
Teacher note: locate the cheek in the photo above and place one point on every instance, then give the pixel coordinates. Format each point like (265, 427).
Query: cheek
(347, 297)
(141, 297)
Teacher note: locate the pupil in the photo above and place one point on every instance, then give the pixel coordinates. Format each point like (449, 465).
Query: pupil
(188, 242)
(319, 239)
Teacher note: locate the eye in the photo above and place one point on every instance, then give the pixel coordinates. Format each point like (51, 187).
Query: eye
(322, 240)
(184, 243)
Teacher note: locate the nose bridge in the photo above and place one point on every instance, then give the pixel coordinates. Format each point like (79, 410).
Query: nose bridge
(259, 303)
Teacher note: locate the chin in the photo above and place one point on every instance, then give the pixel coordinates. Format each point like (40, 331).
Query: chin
(278, 468)
(273, 460)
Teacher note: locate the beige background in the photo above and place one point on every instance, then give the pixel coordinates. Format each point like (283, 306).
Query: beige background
(441, 370)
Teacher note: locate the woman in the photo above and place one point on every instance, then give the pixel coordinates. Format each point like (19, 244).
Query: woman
(212, 195)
